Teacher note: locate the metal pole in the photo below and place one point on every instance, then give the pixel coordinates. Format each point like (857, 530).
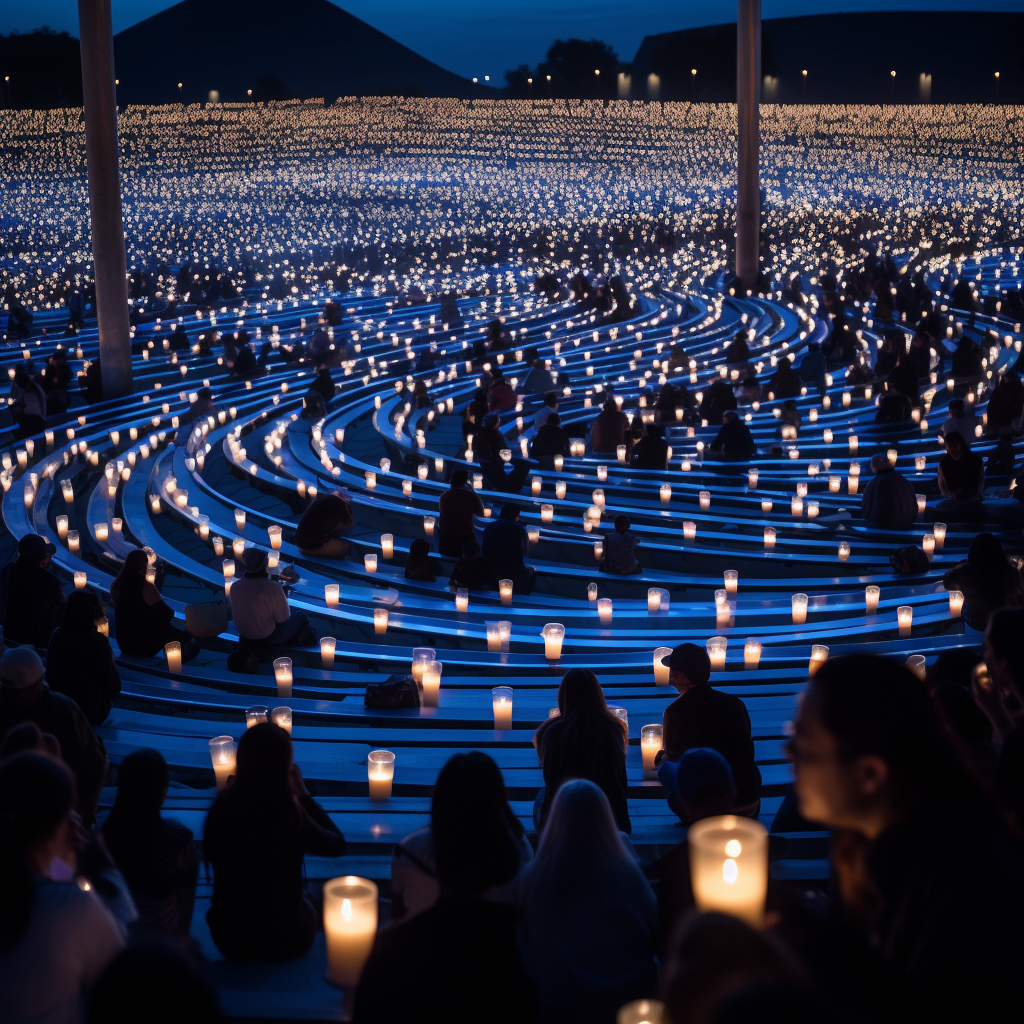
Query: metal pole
(748, 96)
(109, 260)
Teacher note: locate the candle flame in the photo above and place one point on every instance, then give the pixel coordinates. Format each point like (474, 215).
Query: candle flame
(733, 848)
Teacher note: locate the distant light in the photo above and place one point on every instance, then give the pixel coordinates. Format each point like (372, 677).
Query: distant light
(804, 73)
(893, 73)
(997, 74)
(487, 78)
(597, 71)
(549, 78)
(693, 71)
(475, 80)
(529, 81)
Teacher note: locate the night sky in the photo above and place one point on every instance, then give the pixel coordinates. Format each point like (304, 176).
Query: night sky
(486, 37)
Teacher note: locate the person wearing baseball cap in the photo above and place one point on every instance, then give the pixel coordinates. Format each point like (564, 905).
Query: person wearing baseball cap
(705, 717)
(259, 607)
(25, 697)
(32, 597)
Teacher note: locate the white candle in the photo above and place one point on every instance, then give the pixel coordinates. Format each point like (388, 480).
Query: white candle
(834, 483)
(604, 610)
(922, 503)
(282, 717)
(72, 540)
(796, 506)
(939, 533)
(751, 653)
(283, 675)
(239, 519)
(371, 479)
(752, 475)
(769, 538)
(462, 599)
(331, 591)
(501, 703)
(222, 754)
(650, 744)
(428, 526)
(819, 655)
(956, 603)
(218, 546)
(732, 581)
(387, 546)
(554, 634)
(255, 715)
(653, 599)
(844, 551)
(661, 672)
(729, 866)
(799, 603)
(643, 1011)
(716, 648)
(380, 769)
(238, 547)
(705, 499)
(560, 489)
(905, 617)
(505, 590)
(69, 491)
(534, 534)
(380, 620)
(871, 595)
(620, 453)
(916, 664)
(407, 487)
(327, 648)
(350, 927)
(101, 531)
(536, 483)
(602, 473)
(666, 493)
(421, 658)
(274, 533)
(431, 684)
(928, 545)
(370, 563)
(689, 530)
(62, 526)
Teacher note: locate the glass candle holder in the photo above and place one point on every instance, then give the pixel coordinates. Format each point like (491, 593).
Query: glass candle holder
(752, 475)
(560, 486)
(922, 504)
(102, 530)
(282, 717)
(643, 1011)
(328, 644)
(956, 603)
(666, 493)
(501, 703)
(505, 592)
(689, 530)
(602, 473)
(350, 927)
(650, 744)
(274, 533)
(255, 715)
(928, 545)
(716, 648)
(62, 526)
(751, 653)
(769, 538)
(604, 610)
(620, 453)
(819, 655)
(547, 513)
(81, 579)
(705, 499)
(222, 754)
(331, 594)
(554, 635)
(729, 867)
(428, 525)
(592, 592)
(799, 605)
(462, 599)
(387, 546)
(905, 618)
(380, 620)
(732, 581)
(239, 519)
(370, 563)
(939, 533)
(380, 769)
(283, 675)
(844, 550)
(421, 658)
(431, 684)
(72, 540)
(653, 599)
(172, 651)
(661, 672)
(871, 595)
(917, 665)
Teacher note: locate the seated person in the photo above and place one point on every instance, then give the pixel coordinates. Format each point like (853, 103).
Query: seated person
(28, 404)
(960, 421)
(256, 835)
(986, 579)
(505, 546)
(961, 473)
(550, 440)
(32, 596)
(259, 607)
(734, 439)
(620, 550)
(142, 619)
(705, 717)
(549, 407)
(457, 508)
(321, 525)
(651, 451)
(538, 380)
(414, 884)
(717, 400)
(79, 659)
(471, 572)
(500, 397)
(889, 501)
(155, 854)
(609, 428)
(419, 565)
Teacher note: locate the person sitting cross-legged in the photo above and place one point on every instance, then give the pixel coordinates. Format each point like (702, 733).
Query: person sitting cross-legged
(322, 524)
(889, 501)
(259, 607)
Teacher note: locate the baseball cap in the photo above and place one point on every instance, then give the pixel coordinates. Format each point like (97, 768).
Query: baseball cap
(691, 659)
(34, 547)
(21, 667)
(699, 770)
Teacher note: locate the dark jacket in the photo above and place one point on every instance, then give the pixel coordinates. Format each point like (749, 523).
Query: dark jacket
(457, 508)
(142, 628)
(717, 400)
(80, 748)
(34, 603)
(706, 717)
(889, 501)
(984, 590)
(504, 548)
(82, 666)
(549, 441)
(962, 478)
(472, 574)
(608, 431)
(649, 453)
(441, 966)
(320, 519)
(734, 438)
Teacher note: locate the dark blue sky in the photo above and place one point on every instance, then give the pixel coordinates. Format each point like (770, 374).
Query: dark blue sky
(480, 37)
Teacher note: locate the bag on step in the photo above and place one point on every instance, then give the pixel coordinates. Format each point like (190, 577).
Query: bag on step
(395, 692)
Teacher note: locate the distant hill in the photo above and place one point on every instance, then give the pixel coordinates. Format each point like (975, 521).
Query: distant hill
(280, 50)
(938, 56)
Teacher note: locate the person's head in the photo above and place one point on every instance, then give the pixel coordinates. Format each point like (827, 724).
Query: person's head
(21, 676)
(135, 564)
(472, 825)
(34, 550)
(712, 956)
(492, 421)
(204, 395)
(551, 399)
(580, 691)
(37, 793)
(480, 395)
(142, 783)
(730, 416)
(419, 552)
(610, 405)
(554, 420)
(263, 761)
(509, 511)
(81, 613)
(254, 561)
(622, 524)
(880, 464)
(987, 555)
(21, 378)
(28, 736)
(656, 430)
(460, 478)
(688, 665)
(955, 446)
(869, 749)
(1004, 653)
(704, 783)
(956, 408)
(953, 666)
(471, 550)
(156, 975)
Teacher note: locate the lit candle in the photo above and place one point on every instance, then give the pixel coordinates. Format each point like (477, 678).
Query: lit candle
(370, 563)
(501, 702)
(854, 443)
(796, 506)
(834, 483)
(905, 617)
(505, 590)
(799, 603)
(380, 620)
(922, 503)
(751, 653)
(559, 463)
(604, 610)
(916, 664)
(769, 538)
(928, 545)
(371, 479)
(620, 453)
(80, 580)
(431, 684)
(274, 533)
(819, 655)
(705, 499)
(533, 534)
(602, 473)
(666, 493)
(871, 599)
(327, 647)
(560, 489)
(239, 519)
(421, 658)
(732, 581)
(643, 1011)
(428, 525)
(493, 636)
(661, 672)
(62, 526)
(380, 769)
(547, 513)
(729, 866)
(752, 475)
(255, 715)
(72, 540)
(592, 592)
(331, 592)
(387, 546)
(650, 744)
(218, 546)
(812, 510)
(204, 526)
(69, 491)
(939, 533)
(228, 566)
(282, 717)
(844, 551)
(554, 634)
(462, 599)
(689, 530)
(238, 547)
(350, 927)
(407, 487)
(956, 603)
(716, 647)
(653, 599)
(222, 754)
(101, 531)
